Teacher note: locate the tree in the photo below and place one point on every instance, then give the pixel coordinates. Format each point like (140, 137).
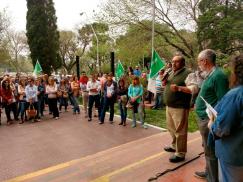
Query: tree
(105, 43)
(5, 22)
(68, 49)
(135, 45)
(42, 34)
(220, 25)
(177, 15)
(17, 47)
(86, 37)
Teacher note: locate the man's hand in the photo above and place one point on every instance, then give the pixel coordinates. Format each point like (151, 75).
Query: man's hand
(173, 87)
(93, 90)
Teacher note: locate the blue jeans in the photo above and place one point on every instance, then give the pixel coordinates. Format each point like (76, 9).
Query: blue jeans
(158, 101)
(41, 105)
(140, 113)
(74, 100)
(63, 102)
(22, 109)
(108, 103)
(123, 111)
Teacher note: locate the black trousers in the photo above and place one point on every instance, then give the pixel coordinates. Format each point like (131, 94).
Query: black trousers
(9, 108)
(53, 106)
(94, 99)
(108, 104)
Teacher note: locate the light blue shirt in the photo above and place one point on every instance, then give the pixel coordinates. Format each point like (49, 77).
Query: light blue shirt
(31, 93)
(134, 91)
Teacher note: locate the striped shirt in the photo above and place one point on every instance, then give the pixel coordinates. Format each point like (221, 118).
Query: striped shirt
(158, 84)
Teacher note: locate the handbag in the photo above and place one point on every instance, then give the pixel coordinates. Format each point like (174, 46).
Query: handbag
(31, 112)
(59, 93)
(65, 95)
(129, 105)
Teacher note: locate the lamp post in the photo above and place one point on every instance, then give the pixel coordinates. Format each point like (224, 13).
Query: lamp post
(97, 43)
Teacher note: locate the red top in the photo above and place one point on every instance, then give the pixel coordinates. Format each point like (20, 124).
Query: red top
(6, 95)
(84, 79)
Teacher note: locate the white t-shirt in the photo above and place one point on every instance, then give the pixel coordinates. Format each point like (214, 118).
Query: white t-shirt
(93, 85)
(110, 89)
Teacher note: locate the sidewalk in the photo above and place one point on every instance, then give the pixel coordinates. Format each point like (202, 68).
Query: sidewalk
(73, 149)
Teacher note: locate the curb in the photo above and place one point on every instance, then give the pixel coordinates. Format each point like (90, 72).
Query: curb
(150, 125)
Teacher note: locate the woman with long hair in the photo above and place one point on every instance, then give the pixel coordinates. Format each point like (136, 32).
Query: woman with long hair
(122, 100)
(51, 90)
(8, 101)
(63, 98)
(22, 100)
(122, 94)
(31, 97)
(110, 91)
(227, 127)
(85, 95)
(135, 94)
(75, 91)
(40, 95)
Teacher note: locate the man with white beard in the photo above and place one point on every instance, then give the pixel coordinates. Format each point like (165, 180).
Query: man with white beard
(214, 87)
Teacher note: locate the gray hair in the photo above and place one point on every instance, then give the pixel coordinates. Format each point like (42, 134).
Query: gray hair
(208, 54)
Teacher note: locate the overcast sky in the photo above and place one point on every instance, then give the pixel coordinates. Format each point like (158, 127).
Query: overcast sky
(67, 12)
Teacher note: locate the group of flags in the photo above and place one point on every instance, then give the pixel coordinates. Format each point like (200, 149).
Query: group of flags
(156, 65)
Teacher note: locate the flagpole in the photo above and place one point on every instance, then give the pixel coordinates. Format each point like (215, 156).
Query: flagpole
(153, 21)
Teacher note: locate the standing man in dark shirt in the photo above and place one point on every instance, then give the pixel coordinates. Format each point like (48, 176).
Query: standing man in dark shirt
(213, 89)
(177, 109)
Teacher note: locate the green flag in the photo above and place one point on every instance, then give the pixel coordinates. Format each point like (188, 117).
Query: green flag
(38, 69)
(119, 71)
(156, 65)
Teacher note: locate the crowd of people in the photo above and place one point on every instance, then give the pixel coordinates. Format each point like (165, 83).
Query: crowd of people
(27, 97)
(176, 87)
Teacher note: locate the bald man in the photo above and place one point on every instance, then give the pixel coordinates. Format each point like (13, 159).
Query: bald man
(177, 109)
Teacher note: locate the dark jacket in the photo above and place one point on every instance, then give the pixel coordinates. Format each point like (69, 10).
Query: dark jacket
(114, 94)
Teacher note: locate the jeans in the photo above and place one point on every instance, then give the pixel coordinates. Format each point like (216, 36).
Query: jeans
(158, 101)
(94, 99)
(41, 105)
(123, 111)
(63, 102)
(108, 103)
(211, 160)
(140, 113)
(74, 100)
(22, 109)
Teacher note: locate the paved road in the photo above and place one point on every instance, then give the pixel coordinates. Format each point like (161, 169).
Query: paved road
(30, 147)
